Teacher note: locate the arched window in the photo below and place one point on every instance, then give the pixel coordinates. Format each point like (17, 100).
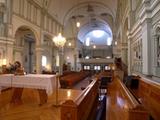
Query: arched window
(157, 37)
(1, 24)
(137, 61)
(2, 10)
(1, 17)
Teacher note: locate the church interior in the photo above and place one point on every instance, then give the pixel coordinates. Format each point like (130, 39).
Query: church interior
(79, 59)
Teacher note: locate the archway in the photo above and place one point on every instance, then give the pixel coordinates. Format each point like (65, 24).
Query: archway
(24, 48)
(93, 37)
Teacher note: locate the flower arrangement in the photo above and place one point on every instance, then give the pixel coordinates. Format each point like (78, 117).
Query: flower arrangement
(13, 68)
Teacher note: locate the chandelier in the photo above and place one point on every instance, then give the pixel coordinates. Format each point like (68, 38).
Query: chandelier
(59, 40)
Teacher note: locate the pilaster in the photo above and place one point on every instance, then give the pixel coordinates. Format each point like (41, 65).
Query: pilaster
(61, 59)
(124, 53)
(129, 56)
(39, 51)
(146, 46)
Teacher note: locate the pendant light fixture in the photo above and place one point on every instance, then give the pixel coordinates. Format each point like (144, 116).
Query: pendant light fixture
(78, 24)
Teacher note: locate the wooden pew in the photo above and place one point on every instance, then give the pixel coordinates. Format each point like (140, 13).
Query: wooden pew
(65, 73)
(71, 79)
(149, 93)
(84, 106)
(107, 73)
(122, 105)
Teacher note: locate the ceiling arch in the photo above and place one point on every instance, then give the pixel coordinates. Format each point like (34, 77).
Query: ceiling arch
(88, 29)
(70, 7)
(82, 9)
(93, 15)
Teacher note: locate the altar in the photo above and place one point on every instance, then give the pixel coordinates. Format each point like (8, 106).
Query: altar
(5, 81)
(45, 84)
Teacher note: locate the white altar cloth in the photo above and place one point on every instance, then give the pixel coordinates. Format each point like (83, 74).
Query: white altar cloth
(5, 81)
(35, 81)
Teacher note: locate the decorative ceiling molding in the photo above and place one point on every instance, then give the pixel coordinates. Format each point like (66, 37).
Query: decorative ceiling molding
(90, 9)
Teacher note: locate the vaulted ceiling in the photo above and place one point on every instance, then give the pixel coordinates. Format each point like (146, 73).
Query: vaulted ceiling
(63, 9)
(92, 14)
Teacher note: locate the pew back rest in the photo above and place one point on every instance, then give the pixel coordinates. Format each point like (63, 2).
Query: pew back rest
(79, 109)
(133, 103)
(130, 108)
(71, 79)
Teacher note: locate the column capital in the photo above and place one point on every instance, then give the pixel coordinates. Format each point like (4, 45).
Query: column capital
(7, 40)
(156, 37)
(124, 45)
(39, 48)
(2, 7)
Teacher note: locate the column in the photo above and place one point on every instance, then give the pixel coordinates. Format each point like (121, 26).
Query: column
(155, 50)
(146, 46)
(154, 54)
(75, 55)
(75, 60)
(39, 52)
(124, 53)
(9, 51)
(129, 56)
(60, 68)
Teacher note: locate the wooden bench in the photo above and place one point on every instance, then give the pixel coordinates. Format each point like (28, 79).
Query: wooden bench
(84, 106)
(107, 73)
(122, 105)
(148, 92)
(69, 80)
(65, 73)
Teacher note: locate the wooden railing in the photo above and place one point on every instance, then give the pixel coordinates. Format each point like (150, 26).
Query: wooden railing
(148, 92)
(123, 104)
(84, 106)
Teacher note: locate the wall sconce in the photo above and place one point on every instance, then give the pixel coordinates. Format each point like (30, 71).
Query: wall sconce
(69, 44)
(4, 62)
(113, 67)
(116, 43)
(78, 24)
(68, 57)
(48, 67)
(94, 46)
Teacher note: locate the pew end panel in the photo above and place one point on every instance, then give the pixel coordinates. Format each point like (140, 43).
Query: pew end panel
(149, 93)
(69, 110)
